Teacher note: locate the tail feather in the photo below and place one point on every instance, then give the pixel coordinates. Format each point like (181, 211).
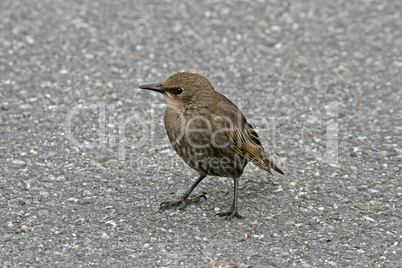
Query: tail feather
(278, 169)
(266, 163)
(269, 163)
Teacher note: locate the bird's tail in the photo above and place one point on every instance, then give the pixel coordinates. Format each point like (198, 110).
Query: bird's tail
(274, 166)
(265, 162)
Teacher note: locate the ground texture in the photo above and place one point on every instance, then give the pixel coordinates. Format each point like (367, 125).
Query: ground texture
(86, 161)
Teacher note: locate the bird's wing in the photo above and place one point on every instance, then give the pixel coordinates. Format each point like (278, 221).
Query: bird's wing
(243, 139)
(247, 144)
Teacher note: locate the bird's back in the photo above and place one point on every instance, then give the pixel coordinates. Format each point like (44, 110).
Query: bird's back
(214, 138)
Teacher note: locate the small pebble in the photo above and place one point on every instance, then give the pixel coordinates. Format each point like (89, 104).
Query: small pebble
(24, 228)
(105, 235)
(29, 39)
(316, 174)
(111, 162)
(279, 189)
(86, 192)
(18, 163)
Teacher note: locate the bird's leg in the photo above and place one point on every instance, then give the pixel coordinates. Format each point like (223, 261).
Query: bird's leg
(233, 211)
(184, 200)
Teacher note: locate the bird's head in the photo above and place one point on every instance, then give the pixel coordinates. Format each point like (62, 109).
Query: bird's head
(182, 88)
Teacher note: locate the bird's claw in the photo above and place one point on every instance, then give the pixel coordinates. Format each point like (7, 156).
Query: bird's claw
(230, 215)
(198, 198)
(182, 202)
(171, 204)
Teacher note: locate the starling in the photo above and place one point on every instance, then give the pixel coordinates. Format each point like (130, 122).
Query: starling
(209, 133)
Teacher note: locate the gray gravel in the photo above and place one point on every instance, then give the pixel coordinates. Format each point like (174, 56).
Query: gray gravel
(86, 161)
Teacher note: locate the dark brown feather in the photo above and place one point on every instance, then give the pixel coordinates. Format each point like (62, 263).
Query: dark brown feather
(243, 138)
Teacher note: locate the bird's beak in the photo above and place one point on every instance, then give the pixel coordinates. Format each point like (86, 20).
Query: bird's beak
(155, 87)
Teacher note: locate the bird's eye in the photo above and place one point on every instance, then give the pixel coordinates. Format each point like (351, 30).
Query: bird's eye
(178, 90)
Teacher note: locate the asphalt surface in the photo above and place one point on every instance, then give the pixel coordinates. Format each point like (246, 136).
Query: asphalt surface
(86, 161)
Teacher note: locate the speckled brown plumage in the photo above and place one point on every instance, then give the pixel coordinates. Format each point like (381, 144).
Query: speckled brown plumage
(209, 133)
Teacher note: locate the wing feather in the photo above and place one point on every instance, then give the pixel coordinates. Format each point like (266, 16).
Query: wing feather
(243, 139)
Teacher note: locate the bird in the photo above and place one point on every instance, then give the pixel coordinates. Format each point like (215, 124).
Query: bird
(210, 133)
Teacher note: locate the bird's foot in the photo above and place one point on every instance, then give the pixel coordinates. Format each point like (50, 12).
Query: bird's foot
(182, 202)
(230, 214)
